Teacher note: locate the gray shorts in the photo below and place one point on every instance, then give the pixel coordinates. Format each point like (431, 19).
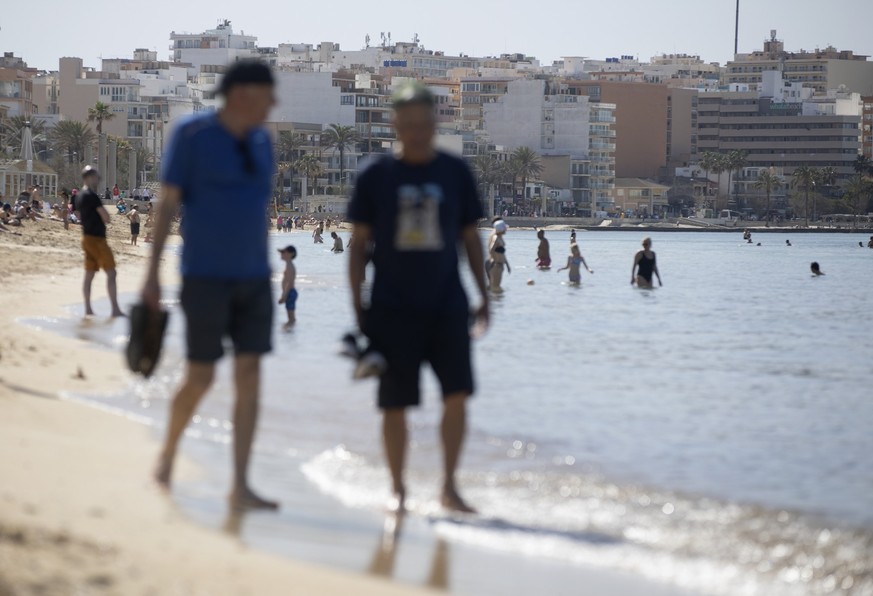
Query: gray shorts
(215, 309)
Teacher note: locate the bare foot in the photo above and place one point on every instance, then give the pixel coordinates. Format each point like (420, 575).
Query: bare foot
(163, 471)
(396, 503)
(245, 498)
(452, 501)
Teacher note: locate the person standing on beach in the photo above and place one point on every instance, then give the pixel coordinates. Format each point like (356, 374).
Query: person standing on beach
(289, 292)
(644, 265)
(416, 208)
(544, 258)
(98, 255)
(218, 163)
(133, 216)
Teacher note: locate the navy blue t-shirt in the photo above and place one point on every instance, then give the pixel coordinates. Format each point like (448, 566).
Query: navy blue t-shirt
(226, 186)
(416, 213)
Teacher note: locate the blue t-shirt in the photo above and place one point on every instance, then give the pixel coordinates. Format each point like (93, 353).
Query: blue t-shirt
(226, 186)
(416, 213)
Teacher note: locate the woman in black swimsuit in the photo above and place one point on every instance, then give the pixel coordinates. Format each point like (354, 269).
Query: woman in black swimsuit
(644, 265)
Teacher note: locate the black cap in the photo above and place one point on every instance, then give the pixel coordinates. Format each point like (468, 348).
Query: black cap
(88, 170)
(246, 72)
(290, 248)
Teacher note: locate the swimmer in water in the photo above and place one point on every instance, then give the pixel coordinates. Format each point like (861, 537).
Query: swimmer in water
(816, 270)
(573, 261)
(644, 266)
(497, 256)
(787, 242)
(544, 259)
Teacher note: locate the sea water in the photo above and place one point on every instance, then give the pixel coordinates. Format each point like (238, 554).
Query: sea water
(714, 434)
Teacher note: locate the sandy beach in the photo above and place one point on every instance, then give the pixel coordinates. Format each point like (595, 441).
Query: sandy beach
(78, 514)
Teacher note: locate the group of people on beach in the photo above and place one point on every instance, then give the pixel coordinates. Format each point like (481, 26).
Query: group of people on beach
(409, 214)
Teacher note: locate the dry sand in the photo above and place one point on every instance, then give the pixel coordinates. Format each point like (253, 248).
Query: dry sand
(78, 514)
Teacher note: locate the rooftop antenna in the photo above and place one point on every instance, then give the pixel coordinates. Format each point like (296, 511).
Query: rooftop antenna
(367, 41)
(737, 30)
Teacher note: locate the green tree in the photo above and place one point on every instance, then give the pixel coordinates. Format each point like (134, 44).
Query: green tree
(857, 194)
(525, 164)
(288, 145)
(71, 136)
(804, 177)
(488, 173)
(100, 113)
(768, 182)
(340, 138)
(709, 162)
(309, 167)
(735, 161)
(826, 178)
(719, 167)
(12, 130)
(862, 166)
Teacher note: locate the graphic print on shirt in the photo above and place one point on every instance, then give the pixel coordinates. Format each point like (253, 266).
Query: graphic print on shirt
(418, 218)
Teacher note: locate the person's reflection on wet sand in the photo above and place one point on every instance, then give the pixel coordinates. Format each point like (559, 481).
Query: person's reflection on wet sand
(386, 549)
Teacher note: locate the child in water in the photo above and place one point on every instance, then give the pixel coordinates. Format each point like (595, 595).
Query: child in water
(573, 261)
(288, 297)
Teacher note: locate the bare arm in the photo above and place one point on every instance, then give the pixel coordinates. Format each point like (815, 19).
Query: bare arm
(586, 264)
(565, 267)
(171, 198)
(657, 273)
(476, 258)
(361, 234)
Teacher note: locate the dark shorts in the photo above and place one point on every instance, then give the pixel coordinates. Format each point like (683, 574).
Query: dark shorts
(291, 300)
(215, 309)
(408, 339)
(134, 229)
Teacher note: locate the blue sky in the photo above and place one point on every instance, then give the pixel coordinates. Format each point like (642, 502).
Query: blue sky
(546, 30)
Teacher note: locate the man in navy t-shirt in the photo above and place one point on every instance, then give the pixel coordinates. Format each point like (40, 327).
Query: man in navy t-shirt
(415, 209)
(216, 164)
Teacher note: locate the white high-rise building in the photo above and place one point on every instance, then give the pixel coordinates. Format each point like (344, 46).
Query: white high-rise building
(214, 47)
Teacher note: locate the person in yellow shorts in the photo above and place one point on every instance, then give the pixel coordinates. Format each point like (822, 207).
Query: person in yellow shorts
(98, 255)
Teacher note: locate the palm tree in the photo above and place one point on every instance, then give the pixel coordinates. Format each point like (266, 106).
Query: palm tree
(288, 146)
(310, 167)
(100, 113)
(487, 171)
(804, 177)
(854, 196)
(12, 130)
(862, 166)
(709, 162)
(719, 166)
(768, 182)
(827, 178)
(735, 162)
(71, 136)
(340, 137)
(525, 164)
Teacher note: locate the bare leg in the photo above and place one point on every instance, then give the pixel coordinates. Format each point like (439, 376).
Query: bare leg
(394, 438)
(112, 290)
(452, 431)
(198, 379)
(247, 375)
(86, 291)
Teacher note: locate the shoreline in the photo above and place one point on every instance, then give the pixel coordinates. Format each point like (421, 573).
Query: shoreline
(78, 513)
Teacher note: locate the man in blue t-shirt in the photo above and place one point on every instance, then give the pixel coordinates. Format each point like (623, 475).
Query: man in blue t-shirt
(415, 209)
(215, 164)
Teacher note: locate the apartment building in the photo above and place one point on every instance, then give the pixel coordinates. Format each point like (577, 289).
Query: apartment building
(819, 69)
(867, 126)
(16, 86)
(535, 113)
(216, 47)
(477, 92)
(781, 131)
(641, 113)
